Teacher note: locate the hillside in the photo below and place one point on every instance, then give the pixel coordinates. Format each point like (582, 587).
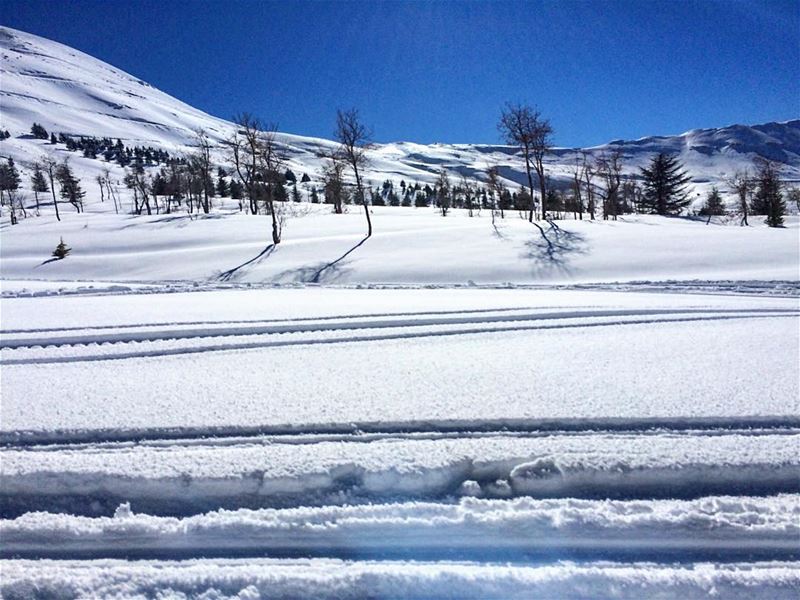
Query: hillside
(67, 91)
(71, 92)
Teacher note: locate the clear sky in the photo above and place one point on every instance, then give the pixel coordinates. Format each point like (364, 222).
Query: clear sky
(430, 71)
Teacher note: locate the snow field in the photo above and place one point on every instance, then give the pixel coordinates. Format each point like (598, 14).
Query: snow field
(458, 380)
(409, 246)
(417, 442)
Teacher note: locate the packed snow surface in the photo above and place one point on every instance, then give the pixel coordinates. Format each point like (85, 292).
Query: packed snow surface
(359, 370)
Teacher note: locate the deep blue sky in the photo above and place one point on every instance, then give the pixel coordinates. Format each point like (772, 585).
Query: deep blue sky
(440, 71)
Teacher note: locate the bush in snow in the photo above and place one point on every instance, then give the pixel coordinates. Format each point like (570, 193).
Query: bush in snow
(61, 250)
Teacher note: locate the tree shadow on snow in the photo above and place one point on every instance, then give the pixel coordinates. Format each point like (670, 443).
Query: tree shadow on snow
(231, 274)
(169, 219)
(323, 273)
(554, 247)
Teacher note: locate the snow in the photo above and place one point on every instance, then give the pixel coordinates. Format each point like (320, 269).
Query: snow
(450, 408)
(68, 91)
(521, 525)
(395, 433)
(192, 476)
(343, 580)
(410, 246)
(460, 372)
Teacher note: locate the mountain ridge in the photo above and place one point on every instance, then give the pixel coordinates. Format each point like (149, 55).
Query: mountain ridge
(69, 91)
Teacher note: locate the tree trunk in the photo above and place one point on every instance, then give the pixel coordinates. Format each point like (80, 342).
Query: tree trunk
(363, 198)
(55, 202)
(530, 183)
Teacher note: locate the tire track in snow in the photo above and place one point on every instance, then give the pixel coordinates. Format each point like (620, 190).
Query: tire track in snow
(181, 479)
(275, 321)
(756, 425)
(495, 327)
(313, 325)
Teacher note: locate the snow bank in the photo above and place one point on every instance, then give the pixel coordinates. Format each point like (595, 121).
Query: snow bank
(711, 524)
(201, 475)
(339, 579)
(343, 580)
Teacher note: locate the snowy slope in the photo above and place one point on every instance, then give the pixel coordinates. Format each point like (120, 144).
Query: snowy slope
(410, 246)
(68, 91)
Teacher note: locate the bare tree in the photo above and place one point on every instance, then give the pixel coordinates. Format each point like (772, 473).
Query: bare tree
(271, 163)
(333, 182)
(793, 196)
(609, 167)
(577, 183)
(258, 160)
(136, 180)
(524, 127)
(588, 176)
(50, 166)
(443, 196)
(245, 149)
(469, 194)
(200, 163)
(743, 184)
(353, 137)
(496, 189)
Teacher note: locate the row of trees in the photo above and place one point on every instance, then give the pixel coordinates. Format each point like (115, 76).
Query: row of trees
(111, 151)
(259, 178)
(43, 179)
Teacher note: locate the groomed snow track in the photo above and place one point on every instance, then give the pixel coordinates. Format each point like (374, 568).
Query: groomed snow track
(483, 496)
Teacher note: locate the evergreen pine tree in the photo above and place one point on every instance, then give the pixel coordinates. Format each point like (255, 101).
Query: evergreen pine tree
(713, 206)
(768, 199)
(223, 189)
(61, 250)
(279, 193)
(39, 132)
(70, 186)
(9, 181)
(236, 190)
(664, 186)
(38, 183)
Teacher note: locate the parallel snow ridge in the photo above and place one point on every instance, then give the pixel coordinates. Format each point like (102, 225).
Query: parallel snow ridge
(325, 579)
(711, 524)
(195, 476)
(174, 392)
(44, 347)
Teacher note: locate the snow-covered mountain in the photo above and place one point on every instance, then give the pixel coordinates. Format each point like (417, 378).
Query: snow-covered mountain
(69, 91)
